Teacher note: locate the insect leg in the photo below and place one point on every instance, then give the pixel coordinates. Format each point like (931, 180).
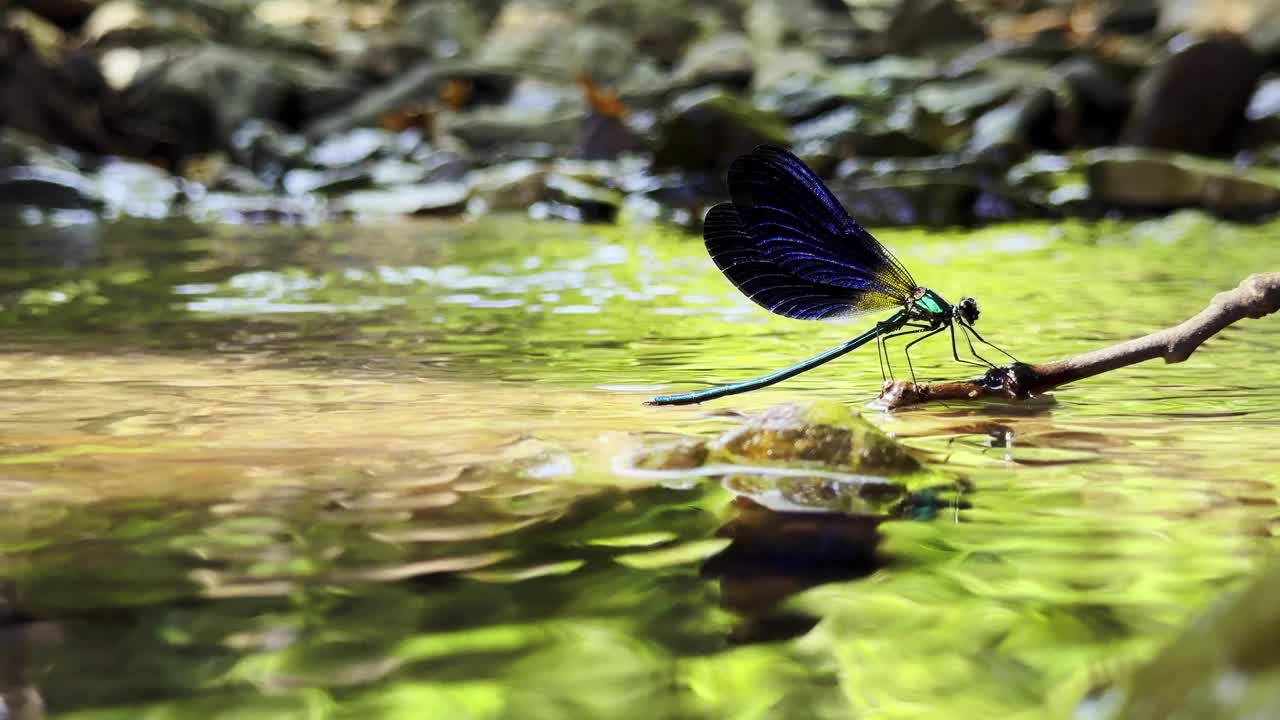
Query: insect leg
(965, 329)
(919, 327)
(907, 350)
(984, 341)
(955, 354)
(880, 353)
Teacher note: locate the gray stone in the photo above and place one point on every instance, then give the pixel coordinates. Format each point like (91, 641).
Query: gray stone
(267, 148)
(1148, 181)
(1255, 20)
(529, 34)
(935, 199)
(303, 181)
(406, 90)
(924, 26)
(721, 58)
(20, 148)
(1102, 97)
(510, 186)
(445, 29)
(352, 147)
(252, 208)
(793, 84)
(661, 29)
(822, 28)
(1265, 102)
(963, 99)
(396, 172)
(591, 204)
(47, 188)
(442, 198)
(490, 131)
(1006, 134)
(706, 130)
(1195, 99)
(241, 85)
(137, 188)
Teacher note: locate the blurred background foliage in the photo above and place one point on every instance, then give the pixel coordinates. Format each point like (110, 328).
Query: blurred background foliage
(936, 112)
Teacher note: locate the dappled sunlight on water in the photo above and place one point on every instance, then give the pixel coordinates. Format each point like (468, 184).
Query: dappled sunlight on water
(359, 472)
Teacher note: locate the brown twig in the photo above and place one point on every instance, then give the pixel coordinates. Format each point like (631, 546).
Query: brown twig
(1257, 296)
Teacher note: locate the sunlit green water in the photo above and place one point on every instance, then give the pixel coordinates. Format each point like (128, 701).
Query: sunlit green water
(365, 472)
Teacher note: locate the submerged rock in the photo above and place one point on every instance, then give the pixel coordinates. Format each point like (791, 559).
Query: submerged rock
(825, 434)
(1195, 99)
(675, 454)
(817, 436)
(808, 494)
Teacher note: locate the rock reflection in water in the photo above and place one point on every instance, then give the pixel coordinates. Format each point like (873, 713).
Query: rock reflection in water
(790, 534)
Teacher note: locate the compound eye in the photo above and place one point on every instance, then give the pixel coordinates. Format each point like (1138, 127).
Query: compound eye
(969, 310)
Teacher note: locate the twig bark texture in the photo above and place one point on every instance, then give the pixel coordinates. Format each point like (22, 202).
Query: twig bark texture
(1255, 297)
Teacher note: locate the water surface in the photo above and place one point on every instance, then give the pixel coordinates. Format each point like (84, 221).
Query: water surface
(369, 472)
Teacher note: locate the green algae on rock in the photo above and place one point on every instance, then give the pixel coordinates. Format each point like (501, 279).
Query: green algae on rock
(813, 436)
(824, 433)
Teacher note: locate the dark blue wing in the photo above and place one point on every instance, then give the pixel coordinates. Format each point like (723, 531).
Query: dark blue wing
(771, 287)
(788, 244)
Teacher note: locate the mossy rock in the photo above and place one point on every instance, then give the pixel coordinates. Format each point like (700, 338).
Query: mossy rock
(824, 434)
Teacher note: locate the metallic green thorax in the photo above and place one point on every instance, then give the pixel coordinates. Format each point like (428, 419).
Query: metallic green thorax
(930, 306)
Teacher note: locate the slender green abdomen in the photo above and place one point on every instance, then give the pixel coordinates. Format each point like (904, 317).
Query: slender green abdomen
(882, 328)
